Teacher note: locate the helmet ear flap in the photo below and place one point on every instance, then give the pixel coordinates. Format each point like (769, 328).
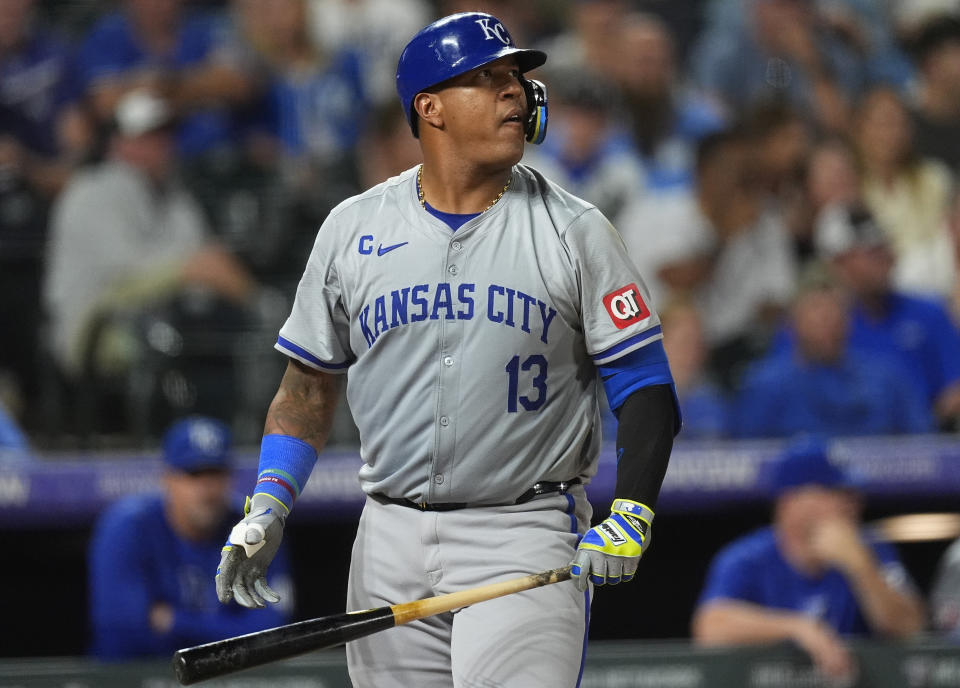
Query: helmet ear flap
(535, 127)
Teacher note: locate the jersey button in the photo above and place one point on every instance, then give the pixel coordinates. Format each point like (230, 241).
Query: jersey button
(444, 421)
(457, 245)
(438, 479)
(453, 269)
(448, 361)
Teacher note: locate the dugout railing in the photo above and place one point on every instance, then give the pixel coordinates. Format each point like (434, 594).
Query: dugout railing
(924, 664)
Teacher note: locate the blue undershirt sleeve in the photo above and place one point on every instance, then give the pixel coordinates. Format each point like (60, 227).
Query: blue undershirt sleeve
(643, 367)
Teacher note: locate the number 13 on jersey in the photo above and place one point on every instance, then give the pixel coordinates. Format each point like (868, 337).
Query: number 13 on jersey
(532, 374)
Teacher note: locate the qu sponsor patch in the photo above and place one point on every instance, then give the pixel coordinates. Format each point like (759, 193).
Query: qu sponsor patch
(625, 306)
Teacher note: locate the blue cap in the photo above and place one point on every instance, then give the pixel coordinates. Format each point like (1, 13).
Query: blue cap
(452, 46)
(805, 462)
(197, 444)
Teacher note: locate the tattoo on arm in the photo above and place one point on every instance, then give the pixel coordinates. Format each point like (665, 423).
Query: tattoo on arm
(303, 405)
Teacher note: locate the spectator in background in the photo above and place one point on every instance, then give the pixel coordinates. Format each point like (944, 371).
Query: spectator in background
(584, 153)
(953, 224)
(386, 149)
(936, 106)
(378, 28)
(907, 194)
(782, 139)
(185, 57)
(667, 120)
(317, 101)
(917, 331)
(813, 576)
(703, 405)
(823, 385)
(44, 134)
(588, 44)
(865, 27)
(830, 175)
(125, 234)
(945, 594)
(43, 130)
(781, 51)
(150, 556)
(298, 156)
(724, 249)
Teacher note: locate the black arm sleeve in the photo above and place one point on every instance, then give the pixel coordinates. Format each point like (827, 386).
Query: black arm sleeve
(648, 422)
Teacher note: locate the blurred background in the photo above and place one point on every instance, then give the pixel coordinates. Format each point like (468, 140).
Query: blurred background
(783, 173)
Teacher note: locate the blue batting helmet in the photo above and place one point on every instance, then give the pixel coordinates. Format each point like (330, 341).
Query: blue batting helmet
(456, 44)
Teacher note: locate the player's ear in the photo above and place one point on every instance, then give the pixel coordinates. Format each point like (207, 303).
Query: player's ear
(430, 109)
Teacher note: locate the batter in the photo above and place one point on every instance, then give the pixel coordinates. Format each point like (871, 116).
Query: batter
(475, 308)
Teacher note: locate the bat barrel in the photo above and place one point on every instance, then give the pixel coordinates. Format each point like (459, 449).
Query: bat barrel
(221, 657)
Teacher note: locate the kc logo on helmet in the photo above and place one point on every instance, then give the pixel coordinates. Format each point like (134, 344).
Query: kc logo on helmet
(626, 306)
(496, 31)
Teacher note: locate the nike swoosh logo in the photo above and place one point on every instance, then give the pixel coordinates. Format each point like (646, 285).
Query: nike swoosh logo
(382, 250)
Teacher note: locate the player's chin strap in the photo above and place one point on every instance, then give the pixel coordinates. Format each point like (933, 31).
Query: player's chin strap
(536, 125)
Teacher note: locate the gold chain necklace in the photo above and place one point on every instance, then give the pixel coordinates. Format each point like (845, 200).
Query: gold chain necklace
(423, 202)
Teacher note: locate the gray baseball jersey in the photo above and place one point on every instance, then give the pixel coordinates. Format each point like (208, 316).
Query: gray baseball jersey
(471, 354)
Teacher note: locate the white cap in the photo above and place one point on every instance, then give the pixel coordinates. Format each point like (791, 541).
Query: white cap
(141, 111)
(841, 227)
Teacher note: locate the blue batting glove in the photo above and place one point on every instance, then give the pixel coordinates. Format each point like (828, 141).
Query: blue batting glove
(610, 551)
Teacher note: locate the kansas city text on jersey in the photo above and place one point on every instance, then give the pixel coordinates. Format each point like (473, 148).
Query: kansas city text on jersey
(504, 305)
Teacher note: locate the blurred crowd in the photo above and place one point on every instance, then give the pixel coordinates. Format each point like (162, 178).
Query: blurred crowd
(783, 172)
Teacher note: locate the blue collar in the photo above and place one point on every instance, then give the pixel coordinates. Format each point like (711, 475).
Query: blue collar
(454, 220)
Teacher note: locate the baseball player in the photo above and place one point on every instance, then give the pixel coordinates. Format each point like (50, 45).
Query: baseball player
(475, 308)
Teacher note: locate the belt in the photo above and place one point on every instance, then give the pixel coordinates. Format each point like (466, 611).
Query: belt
(541, 488)
(546, 487)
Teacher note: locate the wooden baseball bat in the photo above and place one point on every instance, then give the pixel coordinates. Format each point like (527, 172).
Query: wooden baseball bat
(221, 657)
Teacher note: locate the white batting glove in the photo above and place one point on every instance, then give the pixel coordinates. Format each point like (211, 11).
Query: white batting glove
(252, 544)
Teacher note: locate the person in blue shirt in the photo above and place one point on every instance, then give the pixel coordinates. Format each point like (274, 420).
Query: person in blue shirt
(667, 118)
(12, 440)
(825, 384)
(151, 555)
(917, 332)
(592, 157)
(814, 576)
(193, 59)
(703, 404)
(42, 129)
(44, 135)
(781, 51)
(317, 99)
